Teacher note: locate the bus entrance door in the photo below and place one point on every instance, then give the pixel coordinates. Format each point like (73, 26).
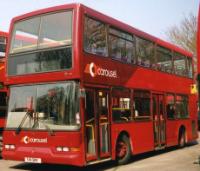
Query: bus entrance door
(97, 125)
(159, 121)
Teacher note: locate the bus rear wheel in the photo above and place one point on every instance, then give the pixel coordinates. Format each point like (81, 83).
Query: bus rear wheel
(123, 150)
(182, 139)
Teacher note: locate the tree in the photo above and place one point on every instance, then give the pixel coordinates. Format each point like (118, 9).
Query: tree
(184, 34)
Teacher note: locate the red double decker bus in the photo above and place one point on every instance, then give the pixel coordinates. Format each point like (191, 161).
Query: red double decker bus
(85, 88)
(3, 89)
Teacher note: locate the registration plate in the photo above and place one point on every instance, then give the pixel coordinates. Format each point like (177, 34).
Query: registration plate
(32, 160)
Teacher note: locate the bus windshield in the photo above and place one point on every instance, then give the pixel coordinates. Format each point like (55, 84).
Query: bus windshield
(54, 106)
(41, 44)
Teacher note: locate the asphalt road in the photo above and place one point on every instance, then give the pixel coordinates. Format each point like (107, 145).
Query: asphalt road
(172, 159)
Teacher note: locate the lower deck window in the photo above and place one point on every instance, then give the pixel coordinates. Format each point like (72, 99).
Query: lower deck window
(176, 106)
(170, 106)
(182, 106)
(141, 104)
(121, 101)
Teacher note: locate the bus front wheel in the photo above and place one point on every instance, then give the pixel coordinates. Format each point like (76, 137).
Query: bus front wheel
(123, 150)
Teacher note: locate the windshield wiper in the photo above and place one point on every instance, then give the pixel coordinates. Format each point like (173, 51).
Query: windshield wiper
(28, 114)
(51, 132)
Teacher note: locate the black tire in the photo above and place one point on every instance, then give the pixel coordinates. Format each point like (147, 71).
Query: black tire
(182, 139)
(123, 150)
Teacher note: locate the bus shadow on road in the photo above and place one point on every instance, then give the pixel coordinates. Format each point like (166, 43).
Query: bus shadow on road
(51, 167)
(159, 152)
(96, 167)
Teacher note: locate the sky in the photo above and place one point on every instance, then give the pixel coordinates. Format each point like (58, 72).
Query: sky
(152, 16)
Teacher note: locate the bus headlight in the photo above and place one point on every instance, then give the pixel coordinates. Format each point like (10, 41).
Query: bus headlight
(59, 149)
(65, 149)
(9, 147)
(62, 149)
(12, 147)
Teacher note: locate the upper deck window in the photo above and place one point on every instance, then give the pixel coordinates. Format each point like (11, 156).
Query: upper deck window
(46, 31)
(145, 52)
(189, 68)
(164, 59)
(180, 64)
(95, 37)
(41, 44)
(121, 45)
(55, 31)
(2, 46)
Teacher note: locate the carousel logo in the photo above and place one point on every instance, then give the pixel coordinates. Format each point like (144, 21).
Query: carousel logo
(28, 140)
(95, 70)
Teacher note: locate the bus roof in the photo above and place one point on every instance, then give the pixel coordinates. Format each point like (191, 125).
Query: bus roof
(109, 20)
(2, 33)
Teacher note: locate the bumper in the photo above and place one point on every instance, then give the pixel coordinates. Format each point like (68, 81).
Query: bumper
(46, 155)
